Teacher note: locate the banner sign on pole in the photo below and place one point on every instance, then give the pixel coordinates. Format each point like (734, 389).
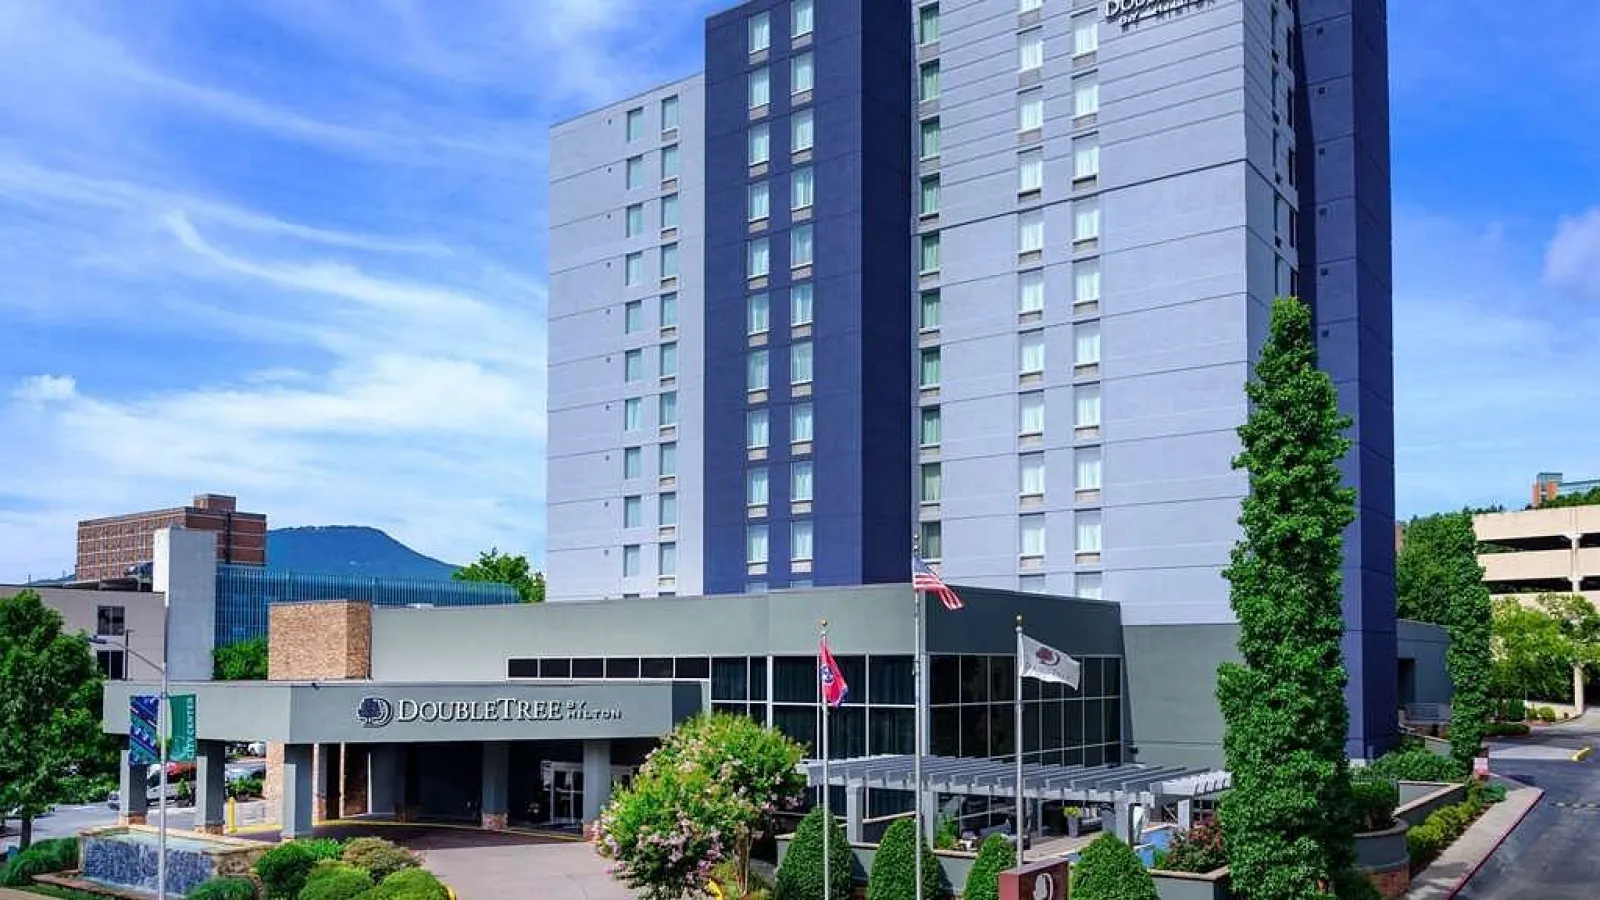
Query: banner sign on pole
(182, 709)
(142, 742)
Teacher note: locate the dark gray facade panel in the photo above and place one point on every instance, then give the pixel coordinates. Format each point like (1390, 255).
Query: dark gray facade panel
(1172, 691)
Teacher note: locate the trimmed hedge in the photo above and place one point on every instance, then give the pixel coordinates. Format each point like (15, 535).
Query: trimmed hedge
(1108, 869)
(380, 857)
(1374, 800)
(800, 876)
(894, 875)
(995, 856)
(409, 884)
(1414, 764)
(284, 868)
(225, 888)
(336, 881)
(1426, 841)
(41, 858)
(322, 848)
(1506, 729)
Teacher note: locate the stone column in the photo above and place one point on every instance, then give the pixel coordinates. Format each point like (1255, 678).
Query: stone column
(295, 809)
(385, 781)
(1577, 689)
(326, 803)
(855, 809)
(496, 784)
(930, 815)
(211, 786)
(1185, 814)
(596, 778)
(133, 786)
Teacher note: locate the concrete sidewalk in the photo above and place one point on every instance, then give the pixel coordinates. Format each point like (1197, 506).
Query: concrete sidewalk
(1446, 875)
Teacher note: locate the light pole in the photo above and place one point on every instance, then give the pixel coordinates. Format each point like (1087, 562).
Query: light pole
(163, 713)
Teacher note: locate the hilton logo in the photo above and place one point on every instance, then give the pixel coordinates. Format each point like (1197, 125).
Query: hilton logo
(1128, 13)
(375, 712)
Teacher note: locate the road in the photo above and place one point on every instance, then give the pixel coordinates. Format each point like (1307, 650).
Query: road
(1551, 855)
(67, 821)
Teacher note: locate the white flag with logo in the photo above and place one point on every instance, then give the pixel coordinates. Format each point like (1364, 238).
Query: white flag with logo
(1047, 663)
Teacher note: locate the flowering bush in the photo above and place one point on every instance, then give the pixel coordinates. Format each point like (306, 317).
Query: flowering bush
(1199, 849)
(699, 800)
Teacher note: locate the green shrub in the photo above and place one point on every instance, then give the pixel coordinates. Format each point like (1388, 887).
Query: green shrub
(1200, 849)
(245, 788)
(1414, 765)
(409, 884)
(893, 875)
(1516, 710)
(41, 858)
(1506, 729)
(800, 876)
(947, 834)
(1546, 714)
(323, 848)
(331, 880)
(1108, 869)
(995, 856)
(1426, 841)
(1353, 884)
(380, 857)
(1374, 800)
(226, 888)
(284, 868)
(1486, 793)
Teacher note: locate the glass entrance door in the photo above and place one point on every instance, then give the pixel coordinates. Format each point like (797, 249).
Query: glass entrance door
(566, 794)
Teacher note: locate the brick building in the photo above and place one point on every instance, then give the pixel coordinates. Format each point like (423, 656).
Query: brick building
(109, 547)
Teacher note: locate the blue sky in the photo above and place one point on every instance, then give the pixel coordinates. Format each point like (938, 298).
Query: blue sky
(294, 250)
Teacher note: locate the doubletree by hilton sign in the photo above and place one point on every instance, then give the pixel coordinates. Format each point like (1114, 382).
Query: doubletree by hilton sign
(1128, 13)
(377, 712)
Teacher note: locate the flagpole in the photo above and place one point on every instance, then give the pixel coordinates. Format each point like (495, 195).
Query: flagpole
(827, 810)
(1021, 819)
(916, 678)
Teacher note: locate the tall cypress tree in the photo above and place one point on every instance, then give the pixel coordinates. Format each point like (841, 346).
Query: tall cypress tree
(1469, 617)
(1288, 821)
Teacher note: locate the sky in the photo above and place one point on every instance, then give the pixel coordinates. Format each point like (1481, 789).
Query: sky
(293, 250)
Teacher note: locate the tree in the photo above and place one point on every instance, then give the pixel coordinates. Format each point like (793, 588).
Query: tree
(1110, 870)
(894, 866)
(1427, 566)
(995, 856)
(241, 661)
(800, 876)
(50, 701)
(1288, 823)
(1535, 648)
(701, 798)
(503, 568)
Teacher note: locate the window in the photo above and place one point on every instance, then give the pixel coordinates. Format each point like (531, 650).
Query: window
(930, 426)
(1086, 220)
(1031, 535)
(669, 113)
(632, 414)
(800, 363)
(760, 201)
(931, 486)
(928, 205)
(1029, 5)
(928, 311)
(667, 459)
(1030, 408)
(760, 144)
(760, 32)
(635, 124)
(801, 133)
(632, 512)
(668, 404)
(928, 24)
(1030, 231)
(1087, 406)
(635, 172)
(928, 369)
(1030, 469)
(802, 74)
(1088, 537)
(759, 259)
(757, 371)
(1030, 291)
(1030, 353)
(760, 87)
(110, 621)
(112, 664)
(755, 547)
(1030, 110)
(803, 188)
(800, 304)
(800, 246)
(800, 481)
(669, 310)
(1086, 473)
(1030, 171)
(667, 509)
(1091, 585)
(669, 211)
(800, 423)
(1033, 584)
(1085, 35)
(669, 261)
(930, 138)
(928, 84)
(1030, 50)
(635, 220)
(1086, 157)
(1086, 281)
(1085, 96)
(630, 561)
(760, 314)
(669, 162)
(929, 252)
(632, 462)
(1086, 344)
(669, 359)
(802, 17)
(667, 560)
(633, 365)
(633, 268)
(800, 541)
(930, 540)
(756, 429)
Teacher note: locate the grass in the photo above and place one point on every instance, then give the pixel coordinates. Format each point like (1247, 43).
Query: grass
(50, 890)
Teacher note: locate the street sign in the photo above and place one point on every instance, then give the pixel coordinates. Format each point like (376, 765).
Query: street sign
(143, 747)
(182, 709)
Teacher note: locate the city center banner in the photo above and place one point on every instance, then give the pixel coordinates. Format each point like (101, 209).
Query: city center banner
(143, 734)
(183, 747)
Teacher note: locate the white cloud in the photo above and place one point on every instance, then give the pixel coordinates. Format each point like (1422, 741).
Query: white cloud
(1572, 261)
(46, 389)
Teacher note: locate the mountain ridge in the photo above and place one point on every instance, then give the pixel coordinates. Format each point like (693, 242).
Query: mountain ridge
(359, 550)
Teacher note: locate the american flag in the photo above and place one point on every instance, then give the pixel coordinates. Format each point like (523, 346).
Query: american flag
(923, 578)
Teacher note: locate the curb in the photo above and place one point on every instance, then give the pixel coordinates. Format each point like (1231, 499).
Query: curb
(1582, 755)
(1467, 876)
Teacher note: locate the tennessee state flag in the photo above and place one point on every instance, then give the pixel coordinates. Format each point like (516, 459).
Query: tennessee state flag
(833, 687)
